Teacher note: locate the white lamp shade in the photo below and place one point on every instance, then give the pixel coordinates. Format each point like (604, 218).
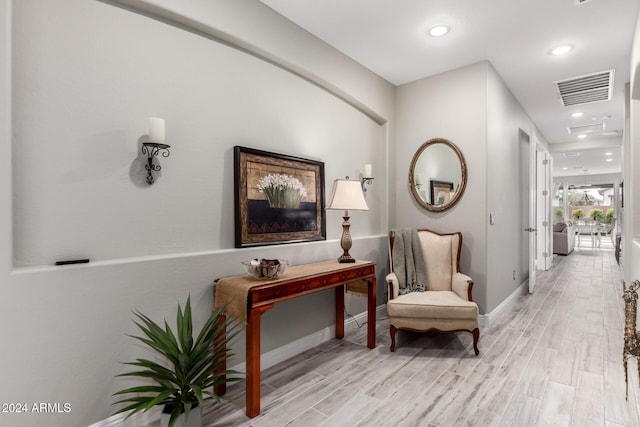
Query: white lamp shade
(347, 195)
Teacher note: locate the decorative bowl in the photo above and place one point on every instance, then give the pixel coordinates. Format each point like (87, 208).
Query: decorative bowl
(265, 268)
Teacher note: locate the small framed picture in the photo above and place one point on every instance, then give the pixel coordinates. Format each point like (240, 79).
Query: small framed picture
(441, 192)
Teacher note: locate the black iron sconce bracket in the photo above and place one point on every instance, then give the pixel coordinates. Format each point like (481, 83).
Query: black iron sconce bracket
(151, 150)
(364, 181)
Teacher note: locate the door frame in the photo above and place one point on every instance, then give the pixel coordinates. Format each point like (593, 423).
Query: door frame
(531, 234)
(544, 163)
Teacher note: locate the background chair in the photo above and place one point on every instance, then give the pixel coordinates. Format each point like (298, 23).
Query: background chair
(608, 230)
(585, 228)
(447, 306)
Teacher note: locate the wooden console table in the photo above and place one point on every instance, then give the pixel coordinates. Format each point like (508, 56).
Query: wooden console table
(247, 298)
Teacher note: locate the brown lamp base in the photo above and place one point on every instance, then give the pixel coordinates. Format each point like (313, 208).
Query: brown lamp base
(345, 241)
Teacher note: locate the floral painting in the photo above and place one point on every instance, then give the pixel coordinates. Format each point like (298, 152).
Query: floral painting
(282, 191)
(279, 198)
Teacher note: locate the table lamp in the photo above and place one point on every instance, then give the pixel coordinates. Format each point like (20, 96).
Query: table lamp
(346, 195)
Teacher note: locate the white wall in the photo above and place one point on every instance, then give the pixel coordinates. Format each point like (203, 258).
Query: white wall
(506, 119)
(451, 105)
(79, 81)
(473, 108)
(631, 226)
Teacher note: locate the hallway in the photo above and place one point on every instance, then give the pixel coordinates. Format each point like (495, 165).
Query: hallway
(554, 358)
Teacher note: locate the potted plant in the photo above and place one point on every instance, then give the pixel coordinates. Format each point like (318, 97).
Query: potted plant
(596, 214)
(608, 217)
(187, 377)
(559, 214)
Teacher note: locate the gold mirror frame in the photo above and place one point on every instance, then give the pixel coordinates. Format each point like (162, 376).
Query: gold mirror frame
(457, 194)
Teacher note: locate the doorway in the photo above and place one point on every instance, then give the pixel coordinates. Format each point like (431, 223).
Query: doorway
(527, 163)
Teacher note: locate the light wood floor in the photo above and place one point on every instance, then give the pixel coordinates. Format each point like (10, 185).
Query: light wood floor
(554, 359)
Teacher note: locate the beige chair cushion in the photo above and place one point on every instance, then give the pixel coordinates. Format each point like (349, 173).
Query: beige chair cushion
(432, 305)
(440, 254)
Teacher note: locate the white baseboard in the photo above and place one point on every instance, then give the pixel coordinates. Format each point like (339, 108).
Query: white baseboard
(287, 351)
(485, 319)
(141, 419)
(482, 320)
(267, 360)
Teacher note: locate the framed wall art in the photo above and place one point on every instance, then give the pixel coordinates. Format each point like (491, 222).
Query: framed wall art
(278, 198)
(441, 192)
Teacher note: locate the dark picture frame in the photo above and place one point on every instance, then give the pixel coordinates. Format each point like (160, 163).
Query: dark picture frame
(278, 198)
(440, 188)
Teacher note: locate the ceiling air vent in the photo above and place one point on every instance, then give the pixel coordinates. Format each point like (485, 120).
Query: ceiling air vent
(590, 88)
(581, 1)
(596, 127)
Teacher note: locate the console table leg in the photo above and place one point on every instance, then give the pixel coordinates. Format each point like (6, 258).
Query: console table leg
(340, 312)
(253, 360)
(371, 313)
(253, 364)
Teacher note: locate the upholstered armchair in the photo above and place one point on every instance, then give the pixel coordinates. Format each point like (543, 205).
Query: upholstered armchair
(444, 303)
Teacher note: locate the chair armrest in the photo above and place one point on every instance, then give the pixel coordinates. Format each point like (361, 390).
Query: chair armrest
(462, 284)
(394, 286)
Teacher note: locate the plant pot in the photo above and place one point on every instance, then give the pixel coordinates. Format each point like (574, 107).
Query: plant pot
(194, 419)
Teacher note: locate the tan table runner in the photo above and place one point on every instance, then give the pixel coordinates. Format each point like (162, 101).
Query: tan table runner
(234, 290)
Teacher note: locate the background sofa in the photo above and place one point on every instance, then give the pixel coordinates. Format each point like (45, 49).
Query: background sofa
(564, 237)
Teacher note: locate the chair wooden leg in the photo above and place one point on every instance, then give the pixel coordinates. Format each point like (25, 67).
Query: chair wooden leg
(476, 337)
(392, 332)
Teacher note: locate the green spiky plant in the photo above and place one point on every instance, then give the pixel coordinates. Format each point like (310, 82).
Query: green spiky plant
(190, 372)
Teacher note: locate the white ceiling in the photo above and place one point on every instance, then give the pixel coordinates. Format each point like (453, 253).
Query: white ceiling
(390, 38)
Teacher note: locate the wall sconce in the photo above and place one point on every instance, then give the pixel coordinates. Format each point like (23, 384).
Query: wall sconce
(367, 176)
(154, 147)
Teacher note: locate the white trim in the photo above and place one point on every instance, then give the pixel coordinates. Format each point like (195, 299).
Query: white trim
(140, 419)
(485, 319)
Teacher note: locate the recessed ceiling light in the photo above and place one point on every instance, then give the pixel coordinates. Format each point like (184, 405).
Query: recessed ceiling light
(582, 136)
(608, 154)
(438, 31)
(577, 114)
(609, 160)
(561, 50)
(564, 169)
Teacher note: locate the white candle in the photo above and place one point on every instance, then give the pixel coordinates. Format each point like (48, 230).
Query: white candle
(418, 179)
(156, 130)
(367, 171)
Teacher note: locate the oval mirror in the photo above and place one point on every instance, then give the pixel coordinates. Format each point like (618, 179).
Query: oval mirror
(438, 175)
